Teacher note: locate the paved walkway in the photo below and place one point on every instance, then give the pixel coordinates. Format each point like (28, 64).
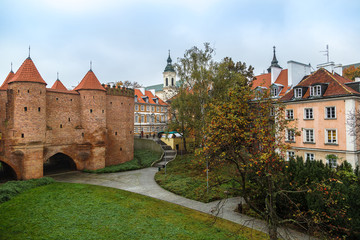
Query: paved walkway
(142, 182)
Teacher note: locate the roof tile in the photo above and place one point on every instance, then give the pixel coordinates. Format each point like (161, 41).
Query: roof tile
(89, 82)
(4, 86)
(58, 85)
(27, 73)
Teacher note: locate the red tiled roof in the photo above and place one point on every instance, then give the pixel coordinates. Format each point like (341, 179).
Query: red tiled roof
(27, 73)
(263, 80)
(283, 80)
(4, 86)
(150, 96)
(58, 85)
(89, 82)
(336, 84)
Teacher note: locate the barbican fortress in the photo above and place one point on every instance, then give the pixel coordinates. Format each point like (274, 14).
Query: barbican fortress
(90, 126)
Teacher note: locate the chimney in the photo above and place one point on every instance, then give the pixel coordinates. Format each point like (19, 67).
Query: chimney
(297, 71)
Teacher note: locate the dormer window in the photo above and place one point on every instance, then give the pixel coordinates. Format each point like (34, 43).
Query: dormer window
(315, 91)
(274, 91)
(298, 92)
(136, 98)
(156, 100)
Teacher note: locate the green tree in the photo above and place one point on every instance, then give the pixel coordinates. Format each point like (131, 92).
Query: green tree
(203, 80)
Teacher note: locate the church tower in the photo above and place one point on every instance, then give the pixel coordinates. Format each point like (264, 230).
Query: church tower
(169, 76)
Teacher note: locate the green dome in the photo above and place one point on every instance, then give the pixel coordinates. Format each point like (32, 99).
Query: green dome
(169, 67)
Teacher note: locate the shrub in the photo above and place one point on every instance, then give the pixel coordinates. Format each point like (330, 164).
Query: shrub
(13, 188)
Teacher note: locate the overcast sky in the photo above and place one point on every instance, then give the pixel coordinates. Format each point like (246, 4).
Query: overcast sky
(130, 39)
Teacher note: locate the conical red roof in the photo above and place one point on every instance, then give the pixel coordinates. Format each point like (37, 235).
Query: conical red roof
(58, 85)
(4, 86)
(27, 73)
(90, 82)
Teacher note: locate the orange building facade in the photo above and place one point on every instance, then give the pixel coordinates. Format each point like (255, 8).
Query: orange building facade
(151, 113)
(91, 125)
(322, 107)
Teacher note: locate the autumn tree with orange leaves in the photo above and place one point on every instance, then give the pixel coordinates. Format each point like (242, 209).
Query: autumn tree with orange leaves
(352, 72)
(247, 130)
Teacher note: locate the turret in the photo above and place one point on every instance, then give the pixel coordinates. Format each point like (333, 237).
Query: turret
(93, 117)
(26, 115)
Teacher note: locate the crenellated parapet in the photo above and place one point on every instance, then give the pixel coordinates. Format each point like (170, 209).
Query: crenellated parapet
(119, 91)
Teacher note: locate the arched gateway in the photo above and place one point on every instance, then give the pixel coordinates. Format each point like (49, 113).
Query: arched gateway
(57, 163)
(7, 173)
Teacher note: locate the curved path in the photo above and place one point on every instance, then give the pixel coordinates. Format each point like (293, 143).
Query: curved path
(142, 182)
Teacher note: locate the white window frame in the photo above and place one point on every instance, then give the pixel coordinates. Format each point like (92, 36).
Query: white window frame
(290, 137)
(152, 108)
(305, 138)
(142, 107)
(157, 109)
(310, 154)
(289, 116)
(274, 91)
(136, 107)
(331, 141)
(136, 119)
(315, 91)
(306, 115)
(289, 154)
(147, 108)
(142, 118)
(326, 112)
(298, 92)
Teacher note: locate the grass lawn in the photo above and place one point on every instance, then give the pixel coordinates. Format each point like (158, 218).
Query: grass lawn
(142, 159)
(78, 211)
(186, 176)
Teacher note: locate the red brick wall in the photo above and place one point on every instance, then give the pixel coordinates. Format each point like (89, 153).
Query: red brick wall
(120, 125)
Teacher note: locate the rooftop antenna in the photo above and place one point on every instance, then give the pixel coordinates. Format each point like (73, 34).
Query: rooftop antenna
(327, 53)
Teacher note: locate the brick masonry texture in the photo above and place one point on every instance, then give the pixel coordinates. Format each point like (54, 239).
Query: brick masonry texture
(93, 127)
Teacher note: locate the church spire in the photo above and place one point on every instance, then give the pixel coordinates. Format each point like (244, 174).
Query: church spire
(274, 62)
(169, 67)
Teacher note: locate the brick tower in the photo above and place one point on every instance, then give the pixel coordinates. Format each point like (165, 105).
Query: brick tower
(26, 108)
(93, 118)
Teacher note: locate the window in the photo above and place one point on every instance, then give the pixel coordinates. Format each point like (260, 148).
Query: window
(103, 111)
(162, 118)
(69, 119)
(298, 92)
(60, 125)
(272, 111)
(162, 109)
(25, 109)
(57, 99)
(331, 136)
(308, 113)
(136, 119)
(142, 119)
(290, 155)
(136, 98)
(315, 91)
(309, 136)
(152, 119)
(147, 108)
(91, 111)
(152, 108)
(82, 134)
(142, 107)
(274, 91)
(39, 109)
(158, 118)
(136, 107)
(22, 135)
(157, 109)
(330, 113)
(136, 130)
(115, 133)
(309, 157)
(167, 80)
(28, 91)
(289, 114)
(332, 160)
(290, 135)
